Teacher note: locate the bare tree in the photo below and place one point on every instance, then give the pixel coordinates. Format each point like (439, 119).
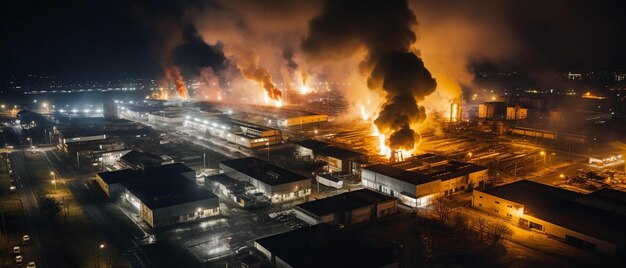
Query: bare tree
(442, 209)
(460, 224)
(499, 230)
(481, 224)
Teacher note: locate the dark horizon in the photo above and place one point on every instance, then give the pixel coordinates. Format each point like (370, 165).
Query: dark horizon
(106, 40)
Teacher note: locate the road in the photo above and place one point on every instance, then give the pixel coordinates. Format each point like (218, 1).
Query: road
(43, 248)
(90, 199)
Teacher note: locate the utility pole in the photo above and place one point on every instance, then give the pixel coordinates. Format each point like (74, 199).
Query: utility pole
(204, 160)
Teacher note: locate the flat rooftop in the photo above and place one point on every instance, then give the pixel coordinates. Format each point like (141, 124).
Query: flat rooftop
(137, 158)
(313, 144)
(322, 245)
(344, 202)
(81, 132)
(263, 171)
(127, 175)
(175, 190)
(401, 174)
(559, 207)
(340, 153)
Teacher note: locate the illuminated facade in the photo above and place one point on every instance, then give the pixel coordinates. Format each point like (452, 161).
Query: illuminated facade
(559, 213)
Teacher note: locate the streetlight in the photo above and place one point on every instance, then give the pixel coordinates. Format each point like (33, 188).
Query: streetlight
(54, 179)
(30, 141)
(543, 153)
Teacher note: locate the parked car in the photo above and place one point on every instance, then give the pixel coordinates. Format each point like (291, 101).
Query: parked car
(16, 250)
(18, 259)
(31, 264)
(26, 239)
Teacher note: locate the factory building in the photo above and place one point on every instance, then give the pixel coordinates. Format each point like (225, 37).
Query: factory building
(88, 147)
(233, 131)
(162, 195)
(307, 149)
(341, 160)
(347, 208)
(417, 180)
(322, 245)
(274, 182)
(240, 192)
(338, 160)
(137, 113)
(168, 119)
(565, 215)
(164, 202)
(290, 121)
(138, 160)
(111, 181)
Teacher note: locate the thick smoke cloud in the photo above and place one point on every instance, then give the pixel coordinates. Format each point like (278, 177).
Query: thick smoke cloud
(384, 29)
(167, 30)
(258, 37)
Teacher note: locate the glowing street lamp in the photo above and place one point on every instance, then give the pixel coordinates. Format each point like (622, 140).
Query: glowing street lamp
(543, 153)
(54, 179)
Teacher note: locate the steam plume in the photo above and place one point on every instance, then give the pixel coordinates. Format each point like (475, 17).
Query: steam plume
(384, 29)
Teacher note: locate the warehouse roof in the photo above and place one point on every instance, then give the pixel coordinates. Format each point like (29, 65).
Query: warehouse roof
(81, 132)
(313, 144)
(400, 174)
(559, 207)
(126, 175)
(118, 176)
(324, 246)
(137, 159)
(609, 195)
(340, 153)
(162, 193)
(344, 202)
(263, 171)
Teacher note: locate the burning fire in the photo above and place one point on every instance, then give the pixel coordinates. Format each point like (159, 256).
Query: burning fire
(173, 75)
(385, 150)
(364, 115)
(304, 89)
(276, 102)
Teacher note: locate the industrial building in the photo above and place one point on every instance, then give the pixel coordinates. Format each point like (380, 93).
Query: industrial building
(162, 195)
(89, 147)
(581, 220)
(322, 245)
(417, 180)
(168, 119)
(140, 160)
(240, 192)
(233, 131)
(347, 208)
(307, 149)
(274, 182)
(337, 159)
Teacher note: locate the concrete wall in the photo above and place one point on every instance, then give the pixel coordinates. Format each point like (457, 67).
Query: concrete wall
(514, 212)
(312, 219)
(377, 179)
(386, 208)
(361, 214)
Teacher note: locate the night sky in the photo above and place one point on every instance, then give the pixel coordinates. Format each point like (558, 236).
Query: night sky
(103, 39)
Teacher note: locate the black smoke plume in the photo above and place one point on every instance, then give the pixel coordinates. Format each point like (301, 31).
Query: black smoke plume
(384, 29)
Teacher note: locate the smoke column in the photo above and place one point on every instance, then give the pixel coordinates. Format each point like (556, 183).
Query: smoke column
(384, 30)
